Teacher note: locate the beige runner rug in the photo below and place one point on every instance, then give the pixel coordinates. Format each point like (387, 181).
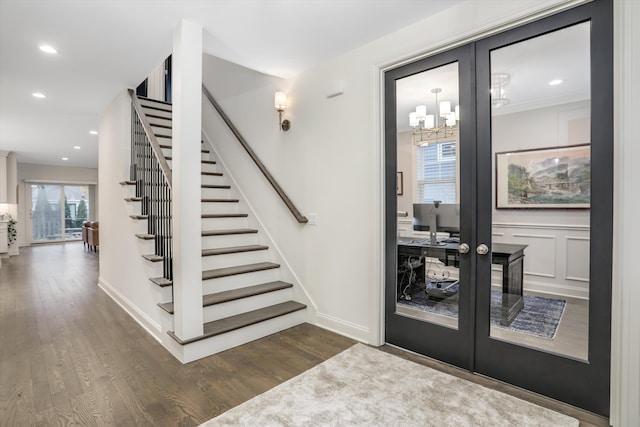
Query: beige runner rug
(363, 386)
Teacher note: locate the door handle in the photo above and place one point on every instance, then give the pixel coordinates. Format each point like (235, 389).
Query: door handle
(463, 248)
(482, 249)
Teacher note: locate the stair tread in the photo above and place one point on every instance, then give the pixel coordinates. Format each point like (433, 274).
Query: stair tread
(153, 257)
(228, 324)
(233, 250)
(229, 231)
(169, 147)
(221, 187)
(133, 199)
(239, 269)
(220, 200)
(161, 135)
(227, 215)
(211, 173)
(146, 236)
(139, 216)
(127, 183)
(155, 116)
(161, 281)
(206, 162)
(158, 125)
(158, 108)
(234, 294)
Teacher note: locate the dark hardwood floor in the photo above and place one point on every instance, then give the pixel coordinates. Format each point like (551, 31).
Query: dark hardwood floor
(69, 355)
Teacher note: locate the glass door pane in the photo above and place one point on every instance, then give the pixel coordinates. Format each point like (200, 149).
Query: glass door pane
(76, 210)
(540, 137)
(428, 196)
(46, 213)
(58, 211)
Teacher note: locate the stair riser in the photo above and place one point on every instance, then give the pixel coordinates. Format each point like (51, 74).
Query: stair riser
(244, 305)
(215, 193)
(203, 156)
(154, 269)
(145, 247)
(163, 115)
(212, 180)
(154, 103)
(157, 121)
(133, 208)
(232, 260)
(129, 191)
(163, 141)
(211, 242)
(228, 283)
(213, 345)
(220, 207)
(139, 226)
(160, 293)
(159, 127)
(224, 223)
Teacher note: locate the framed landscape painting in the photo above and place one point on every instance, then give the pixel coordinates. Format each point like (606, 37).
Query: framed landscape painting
(555, 177)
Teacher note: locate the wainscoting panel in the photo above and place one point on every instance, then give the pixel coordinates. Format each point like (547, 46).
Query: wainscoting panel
(577, 259)
(556, 258)
(540, 255)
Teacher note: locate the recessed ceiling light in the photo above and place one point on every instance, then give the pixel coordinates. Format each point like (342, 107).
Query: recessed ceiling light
(555, 82)
(65, 158)
(38, 95)
(48, 49)
(93, 132)
(76, 147)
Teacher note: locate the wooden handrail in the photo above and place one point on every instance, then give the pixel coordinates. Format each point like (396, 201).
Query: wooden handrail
(296, 213)
(152, 138)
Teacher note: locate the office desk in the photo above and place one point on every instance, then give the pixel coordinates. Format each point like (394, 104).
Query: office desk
(509, 256)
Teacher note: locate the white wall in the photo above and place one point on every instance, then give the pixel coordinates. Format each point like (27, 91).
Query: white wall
(54, 175)
(123, 272)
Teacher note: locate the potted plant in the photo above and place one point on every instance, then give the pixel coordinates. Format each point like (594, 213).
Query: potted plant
(12, 232)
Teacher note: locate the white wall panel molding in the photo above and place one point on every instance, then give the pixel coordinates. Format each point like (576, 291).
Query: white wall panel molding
(541, 226)
(540, 255)
(577, 258)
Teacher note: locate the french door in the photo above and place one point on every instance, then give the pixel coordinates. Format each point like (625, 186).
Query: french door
(499, 206)
(58, 211)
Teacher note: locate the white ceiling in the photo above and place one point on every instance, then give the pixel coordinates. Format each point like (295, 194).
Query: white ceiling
(107, 45)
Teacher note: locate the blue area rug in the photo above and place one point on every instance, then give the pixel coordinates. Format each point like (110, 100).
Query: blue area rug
(539, 317)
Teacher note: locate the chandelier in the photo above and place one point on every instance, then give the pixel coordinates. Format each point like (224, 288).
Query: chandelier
(499, 82)
(427, 127)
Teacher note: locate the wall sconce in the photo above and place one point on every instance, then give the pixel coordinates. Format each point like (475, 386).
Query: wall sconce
(281, 104)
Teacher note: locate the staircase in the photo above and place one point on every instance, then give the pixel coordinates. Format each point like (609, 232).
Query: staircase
(243, 297)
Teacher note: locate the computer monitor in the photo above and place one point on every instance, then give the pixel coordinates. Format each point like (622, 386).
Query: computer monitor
(436, 217)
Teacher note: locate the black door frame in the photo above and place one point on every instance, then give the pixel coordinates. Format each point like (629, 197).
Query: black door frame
(444, 343)
(583, 384)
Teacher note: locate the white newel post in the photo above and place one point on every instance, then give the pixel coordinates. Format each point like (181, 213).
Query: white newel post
(187, 105)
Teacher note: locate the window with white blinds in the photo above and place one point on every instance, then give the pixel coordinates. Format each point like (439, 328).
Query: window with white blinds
(436, 172)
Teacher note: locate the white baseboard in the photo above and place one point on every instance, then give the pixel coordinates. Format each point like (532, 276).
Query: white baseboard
(343, 327)
(152, 327)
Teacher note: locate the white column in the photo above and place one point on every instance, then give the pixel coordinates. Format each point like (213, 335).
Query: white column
(625, 345)
(187, 105)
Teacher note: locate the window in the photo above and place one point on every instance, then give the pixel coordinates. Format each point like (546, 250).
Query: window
(436, 172)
